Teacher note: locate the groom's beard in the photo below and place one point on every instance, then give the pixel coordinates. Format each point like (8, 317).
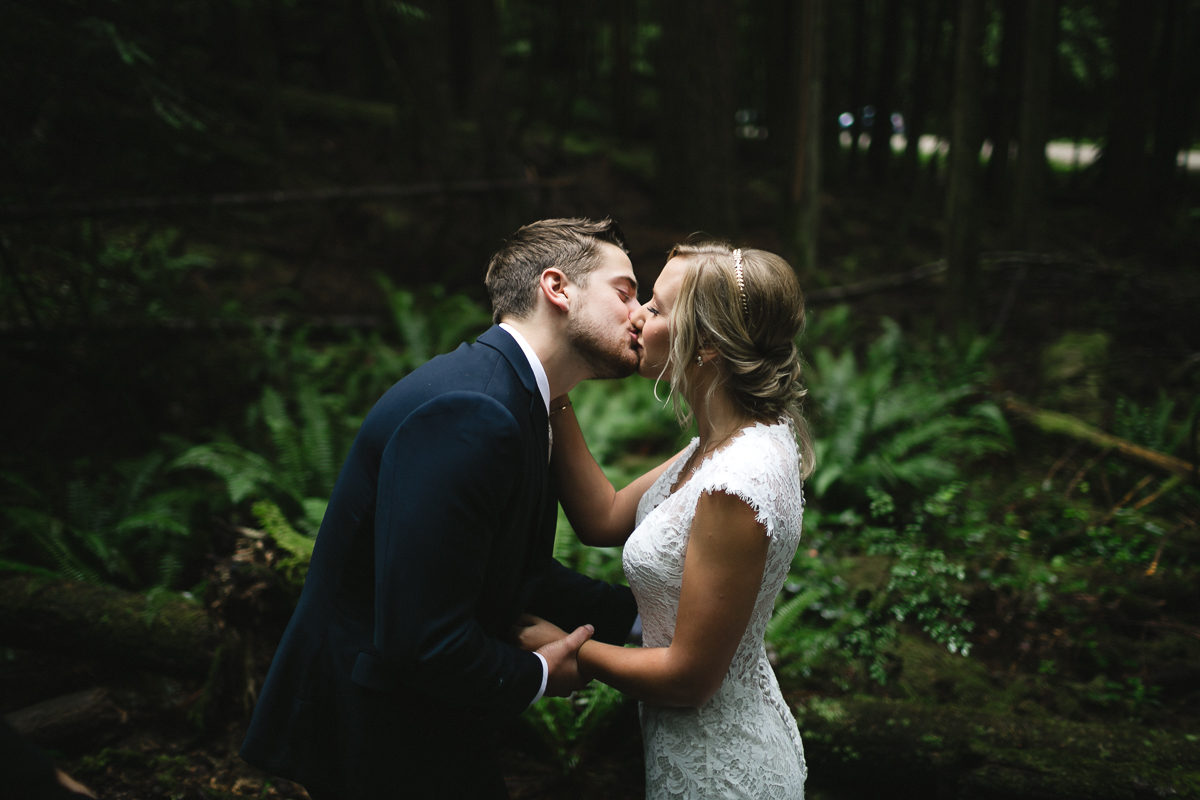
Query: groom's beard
(611, 356)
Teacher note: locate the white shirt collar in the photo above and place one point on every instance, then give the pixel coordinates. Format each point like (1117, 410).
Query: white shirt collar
(539, 372)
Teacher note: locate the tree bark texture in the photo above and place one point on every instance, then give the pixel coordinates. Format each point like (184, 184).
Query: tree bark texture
(696, 108)
(1041, 21)
(97, 622)
(806, 180)
(961, 244)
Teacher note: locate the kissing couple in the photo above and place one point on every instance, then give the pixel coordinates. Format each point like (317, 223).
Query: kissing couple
(433, 608)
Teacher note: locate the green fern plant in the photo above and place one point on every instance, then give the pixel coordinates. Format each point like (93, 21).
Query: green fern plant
(823, 620)
(125, 527)
(305, 457)
(568, 725)
(882, 426)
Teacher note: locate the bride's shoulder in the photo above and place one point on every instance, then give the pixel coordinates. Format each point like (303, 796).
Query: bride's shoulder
(766, 442)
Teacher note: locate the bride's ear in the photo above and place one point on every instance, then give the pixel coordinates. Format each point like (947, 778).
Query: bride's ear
(556, 288)
(706, 354)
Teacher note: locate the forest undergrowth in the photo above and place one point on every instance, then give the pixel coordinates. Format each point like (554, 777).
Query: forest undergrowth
(951, 554)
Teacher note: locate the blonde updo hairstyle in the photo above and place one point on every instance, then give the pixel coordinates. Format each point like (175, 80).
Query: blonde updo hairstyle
(758, 361)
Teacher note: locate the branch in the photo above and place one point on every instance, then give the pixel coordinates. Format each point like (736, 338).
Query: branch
(837, 293)
(1057, 422)
(14, 213)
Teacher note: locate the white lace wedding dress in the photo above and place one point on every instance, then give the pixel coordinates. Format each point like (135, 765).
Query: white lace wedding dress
(743, 743)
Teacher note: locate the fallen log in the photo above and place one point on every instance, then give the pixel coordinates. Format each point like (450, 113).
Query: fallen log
(84, 620)
(68, 717)
(1067, 425)
(889, 748)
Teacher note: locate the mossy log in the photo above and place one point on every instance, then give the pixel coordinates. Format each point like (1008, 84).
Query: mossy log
(898, 749)
(67, 717)
(171, 637)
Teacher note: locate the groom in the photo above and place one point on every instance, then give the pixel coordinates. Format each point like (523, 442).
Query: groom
(397, 664)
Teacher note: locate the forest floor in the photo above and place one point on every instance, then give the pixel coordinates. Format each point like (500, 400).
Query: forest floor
(1140, 289)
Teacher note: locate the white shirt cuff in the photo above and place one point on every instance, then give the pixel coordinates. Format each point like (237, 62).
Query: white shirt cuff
(545, 677)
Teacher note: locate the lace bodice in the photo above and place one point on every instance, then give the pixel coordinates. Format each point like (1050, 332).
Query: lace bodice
(743, 742)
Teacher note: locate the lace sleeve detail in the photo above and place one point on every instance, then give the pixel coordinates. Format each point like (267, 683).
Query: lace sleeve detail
(762, 467)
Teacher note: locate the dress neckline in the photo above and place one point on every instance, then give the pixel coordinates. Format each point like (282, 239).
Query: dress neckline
(678, 482)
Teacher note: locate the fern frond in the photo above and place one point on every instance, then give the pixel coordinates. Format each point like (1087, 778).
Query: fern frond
(275, 524)
(317, 439)
(786, 615)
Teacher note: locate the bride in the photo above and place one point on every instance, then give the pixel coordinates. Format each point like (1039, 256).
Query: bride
(709, 535)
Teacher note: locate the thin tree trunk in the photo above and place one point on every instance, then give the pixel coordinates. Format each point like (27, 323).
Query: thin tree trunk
(697, 107)
(943, 68)
(1124, 159)
(879, 155)
(624, 23)
(806, 180)
(1008, 95)
(1041, 21)
(1179, 79)
(914, 121)
(961, 243)
(858, 81)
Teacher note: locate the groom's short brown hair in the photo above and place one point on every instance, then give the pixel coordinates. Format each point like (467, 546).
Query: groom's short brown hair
(572, 245)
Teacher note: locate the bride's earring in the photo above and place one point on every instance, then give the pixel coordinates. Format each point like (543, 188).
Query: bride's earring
(699, 360)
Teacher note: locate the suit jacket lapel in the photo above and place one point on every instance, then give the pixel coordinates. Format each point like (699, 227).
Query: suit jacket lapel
(498, 338)
(540, 542)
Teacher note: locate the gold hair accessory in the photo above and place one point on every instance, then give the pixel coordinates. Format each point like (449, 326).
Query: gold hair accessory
(741, 281)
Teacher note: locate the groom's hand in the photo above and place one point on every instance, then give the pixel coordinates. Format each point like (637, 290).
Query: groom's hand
(533, 632)
(560, 656)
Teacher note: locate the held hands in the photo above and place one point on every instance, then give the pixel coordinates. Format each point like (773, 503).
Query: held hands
(533, 632)
(559, 650)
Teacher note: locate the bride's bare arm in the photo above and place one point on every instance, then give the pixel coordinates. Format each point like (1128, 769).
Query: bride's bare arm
(723, 569)
(600, 515)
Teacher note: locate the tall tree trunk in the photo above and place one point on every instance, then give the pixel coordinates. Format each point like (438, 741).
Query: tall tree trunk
(879, 155)
(1179, 79)
(806, 179)
(858, 81)
(623, 15)
(1041, 22)
(941, 88)
(478, 79)
(962, 256)
(696, 107)
(922, 90)
(1124, 159)
(258, 40)
(1009, 85)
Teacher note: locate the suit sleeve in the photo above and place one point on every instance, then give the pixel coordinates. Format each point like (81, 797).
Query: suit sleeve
(569, 600)
(445, 480)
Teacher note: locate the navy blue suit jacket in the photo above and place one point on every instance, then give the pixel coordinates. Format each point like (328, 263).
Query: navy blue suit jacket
(438, 534)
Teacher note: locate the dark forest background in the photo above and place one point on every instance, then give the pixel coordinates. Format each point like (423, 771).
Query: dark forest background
(226, 227)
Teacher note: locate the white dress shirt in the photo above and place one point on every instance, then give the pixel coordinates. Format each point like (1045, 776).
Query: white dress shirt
(543, 384)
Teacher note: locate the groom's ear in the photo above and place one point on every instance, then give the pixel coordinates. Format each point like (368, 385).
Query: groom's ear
(556, 288)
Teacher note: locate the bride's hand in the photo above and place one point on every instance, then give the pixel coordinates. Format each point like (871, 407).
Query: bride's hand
(533, 632)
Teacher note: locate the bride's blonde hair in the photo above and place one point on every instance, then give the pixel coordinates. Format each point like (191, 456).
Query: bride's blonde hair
(753, 328)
